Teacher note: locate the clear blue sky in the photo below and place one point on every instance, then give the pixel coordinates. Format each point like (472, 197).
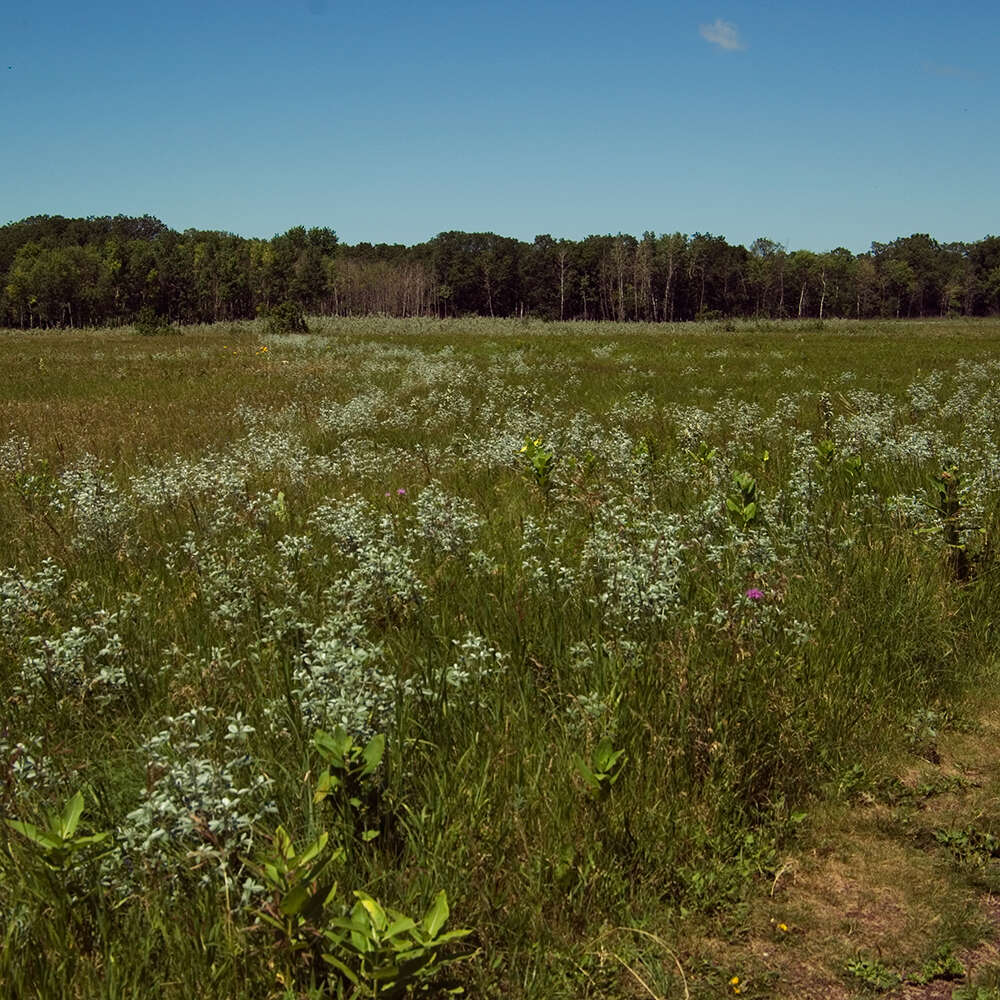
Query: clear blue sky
(817, 126)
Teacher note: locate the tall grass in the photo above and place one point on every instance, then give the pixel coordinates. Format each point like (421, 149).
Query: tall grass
(222, 544)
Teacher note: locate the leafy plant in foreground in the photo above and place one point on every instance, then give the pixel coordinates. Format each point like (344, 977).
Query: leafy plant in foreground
(379, 951)
(53, 874)
(948, 505)
(57, 843)
(873, 974)
(383, 953)
(602, 771)
(744, 506)
(348, 766)
(943, 964)
(298, 896)
(541, 463)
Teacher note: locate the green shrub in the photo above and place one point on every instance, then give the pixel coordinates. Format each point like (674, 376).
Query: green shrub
(286, 317)
(150, 323)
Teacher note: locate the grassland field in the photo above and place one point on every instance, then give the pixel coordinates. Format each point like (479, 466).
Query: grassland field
(559, 635)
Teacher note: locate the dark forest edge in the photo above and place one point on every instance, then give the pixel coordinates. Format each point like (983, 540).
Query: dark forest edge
(98, 271)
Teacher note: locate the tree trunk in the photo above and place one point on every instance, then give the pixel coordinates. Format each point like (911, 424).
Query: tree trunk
(562, 285)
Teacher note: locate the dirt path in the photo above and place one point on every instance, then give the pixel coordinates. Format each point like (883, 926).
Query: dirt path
(897, 895)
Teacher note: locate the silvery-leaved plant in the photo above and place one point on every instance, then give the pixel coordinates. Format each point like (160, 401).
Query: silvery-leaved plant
(26, 599)
(498, 449)
(99, 511)
(924, 394)
(381, 577)
(355, 415)
(475, 662)
(341, 679)
(638, 559)
(16, 456)
(541, 566)
(350, 523)
(87, 661)
(205, 795)
(225, 573)
(446, 524)
(214, 476)
(26, 768)
(479, 561)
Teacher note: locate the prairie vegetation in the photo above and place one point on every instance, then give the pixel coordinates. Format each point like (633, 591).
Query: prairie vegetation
(406, 655)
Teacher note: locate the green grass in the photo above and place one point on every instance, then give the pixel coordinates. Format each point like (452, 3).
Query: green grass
(227, 537)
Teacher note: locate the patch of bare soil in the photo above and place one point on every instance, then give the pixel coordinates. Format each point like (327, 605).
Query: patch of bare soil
(895, 894)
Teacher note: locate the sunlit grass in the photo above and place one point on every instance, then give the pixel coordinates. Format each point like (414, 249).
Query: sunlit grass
(221, 543)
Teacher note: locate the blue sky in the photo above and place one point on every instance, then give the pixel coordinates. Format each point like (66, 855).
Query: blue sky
(816, 126)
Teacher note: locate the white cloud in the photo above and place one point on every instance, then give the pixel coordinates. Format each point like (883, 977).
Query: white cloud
(725, 34)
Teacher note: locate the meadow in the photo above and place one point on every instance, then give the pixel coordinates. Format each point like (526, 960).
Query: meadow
(404, 656)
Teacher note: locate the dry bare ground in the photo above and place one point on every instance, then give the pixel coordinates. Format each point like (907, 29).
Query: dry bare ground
(901, 886)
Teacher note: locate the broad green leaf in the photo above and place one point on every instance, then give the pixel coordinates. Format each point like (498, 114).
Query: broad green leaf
(612, 761)
(71, 814)
(333, 746)
(452, 935)
(343, 923)
(373, 753)
(313, 849)
(585, 772)
(93, 838)
(375, 911)
(295, 899)
(602, 754)
(342, 744)
(324, 785)
(43, 838)
(329, 896)
(343, 969)
(361, 920)
(283, 844)
(400, 926)
(436, 916)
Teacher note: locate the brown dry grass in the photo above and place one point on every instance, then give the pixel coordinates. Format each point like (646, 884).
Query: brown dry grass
(873, 882)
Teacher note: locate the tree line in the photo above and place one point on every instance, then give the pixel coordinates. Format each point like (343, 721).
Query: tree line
(57, 271)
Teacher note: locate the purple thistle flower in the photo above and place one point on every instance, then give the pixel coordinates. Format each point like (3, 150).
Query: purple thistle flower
(754, 594)
(401, 492)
